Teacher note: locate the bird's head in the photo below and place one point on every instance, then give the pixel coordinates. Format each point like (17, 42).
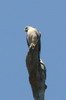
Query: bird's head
(26, 29)
(29, 28)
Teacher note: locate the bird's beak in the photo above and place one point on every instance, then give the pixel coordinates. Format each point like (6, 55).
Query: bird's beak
(25, 29)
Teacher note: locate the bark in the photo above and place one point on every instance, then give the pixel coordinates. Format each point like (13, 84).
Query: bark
(36, 75)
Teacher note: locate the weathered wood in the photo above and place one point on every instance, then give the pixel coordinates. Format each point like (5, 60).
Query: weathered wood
(36, 75)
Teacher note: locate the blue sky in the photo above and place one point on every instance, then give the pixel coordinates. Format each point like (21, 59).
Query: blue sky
(49, 16)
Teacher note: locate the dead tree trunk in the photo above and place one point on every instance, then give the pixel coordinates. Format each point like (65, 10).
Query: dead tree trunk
(36, 75)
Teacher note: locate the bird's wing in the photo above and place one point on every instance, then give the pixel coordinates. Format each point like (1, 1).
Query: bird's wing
(39, 40)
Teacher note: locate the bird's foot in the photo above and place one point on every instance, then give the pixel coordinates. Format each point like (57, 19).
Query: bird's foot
(32, 46)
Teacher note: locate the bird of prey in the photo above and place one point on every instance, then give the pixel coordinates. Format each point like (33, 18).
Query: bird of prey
(32, 36)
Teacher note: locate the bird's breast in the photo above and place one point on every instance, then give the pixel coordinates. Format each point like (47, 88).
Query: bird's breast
(31, 37)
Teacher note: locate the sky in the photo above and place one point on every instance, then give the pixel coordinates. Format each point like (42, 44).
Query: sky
(49, 17)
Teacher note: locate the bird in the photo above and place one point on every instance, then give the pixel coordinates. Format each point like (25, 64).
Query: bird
(32, 36)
